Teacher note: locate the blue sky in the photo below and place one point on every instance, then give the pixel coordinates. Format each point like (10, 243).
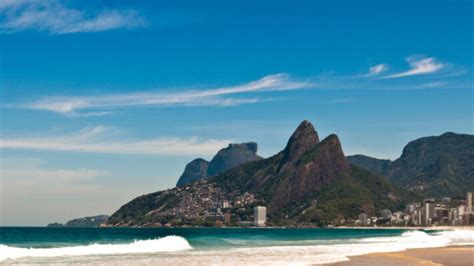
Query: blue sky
(101, 102)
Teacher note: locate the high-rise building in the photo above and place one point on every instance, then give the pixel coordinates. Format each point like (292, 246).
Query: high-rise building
(469, 202)
(419, 217)
(461, 210)
(363, 219)
(453, 216)
(259, 216)
(429, 210)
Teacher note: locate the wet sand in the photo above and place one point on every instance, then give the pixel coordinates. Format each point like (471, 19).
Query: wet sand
(451, 255)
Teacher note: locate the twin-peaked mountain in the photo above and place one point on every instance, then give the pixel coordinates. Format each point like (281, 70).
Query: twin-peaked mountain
(292, 176)
(308, 182)
(227, 158)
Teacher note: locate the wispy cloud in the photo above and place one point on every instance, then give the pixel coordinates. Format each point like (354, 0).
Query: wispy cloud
(36, 175)
(54, 17)
(419, 66)
(246, 93)
(377, 69)
(213, 97)
(432, 85)
(101, 140)
(26, 177)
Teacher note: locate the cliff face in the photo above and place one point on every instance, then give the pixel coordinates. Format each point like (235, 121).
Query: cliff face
(297, 185)
(302, 140)
(436, 166)
(232, 156)
(227, 158)
(308, 173)
(195, 170)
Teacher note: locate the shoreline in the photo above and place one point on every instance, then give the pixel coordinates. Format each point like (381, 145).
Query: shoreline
(415, 247)
(448, 255)
(443, 227)
(467, 227)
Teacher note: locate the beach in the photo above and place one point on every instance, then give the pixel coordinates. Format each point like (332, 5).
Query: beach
(450, 255)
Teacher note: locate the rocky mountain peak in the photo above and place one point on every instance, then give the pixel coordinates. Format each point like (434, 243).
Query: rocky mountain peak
(195, 170)
(303, 139)
(233, 155)
(251, 146)
(309, 172)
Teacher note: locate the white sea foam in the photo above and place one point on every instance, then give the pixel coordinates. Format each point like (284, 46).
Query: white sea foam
(329, 253)
(314, 253)
(165, 244)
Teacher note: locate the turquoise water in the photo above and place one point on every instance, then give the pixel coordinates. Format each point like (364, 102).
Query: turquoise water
(198, 238)
(209, 246)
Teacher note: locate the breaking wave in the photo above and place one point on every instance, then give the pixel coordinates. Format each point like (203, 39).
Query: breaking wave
(304, 253)
(165, 244)
(329, 253)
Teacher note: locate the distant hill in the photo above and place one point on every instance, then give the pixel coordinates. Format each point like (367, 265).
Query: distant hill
(378, 166)
(227, 158)
(92, 221)
(309, 182)
(55, 225)
(436, 166)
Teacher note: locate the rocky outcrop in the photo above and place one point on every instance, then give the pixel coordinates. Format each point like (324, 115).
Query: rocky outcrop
(195, 170)
(308, 173)
(302, 140)
(232, 156)
(227, 158)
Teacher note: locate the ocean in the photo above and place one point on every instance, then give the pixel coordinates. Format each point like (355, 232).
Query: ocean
(210, 246)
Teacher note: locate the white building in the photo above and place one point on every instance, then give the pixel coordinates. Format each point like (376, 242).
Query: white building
(225, 204)
(259, 216)
(429, 211)
(398, 216)
(468, 202)
(364, 220)
(419, 217)
(461, 210)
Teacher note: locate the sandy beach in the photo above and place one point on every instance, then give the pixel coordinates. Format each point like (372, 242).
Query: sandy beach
(451, 255)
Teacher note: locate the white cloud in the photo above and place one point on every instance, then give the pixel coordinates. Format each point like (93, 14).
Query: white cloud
(419, 66)
(54, 17)
(100, 140)
(377, 69)
(214, 97)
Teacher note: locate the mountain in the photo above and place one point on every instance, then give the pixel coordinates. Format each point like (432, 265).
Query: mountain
(92, 221)
(55, 225)
(378, 166)
(195, 170)
(227, 158)
(309, 182)
(439, 166)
